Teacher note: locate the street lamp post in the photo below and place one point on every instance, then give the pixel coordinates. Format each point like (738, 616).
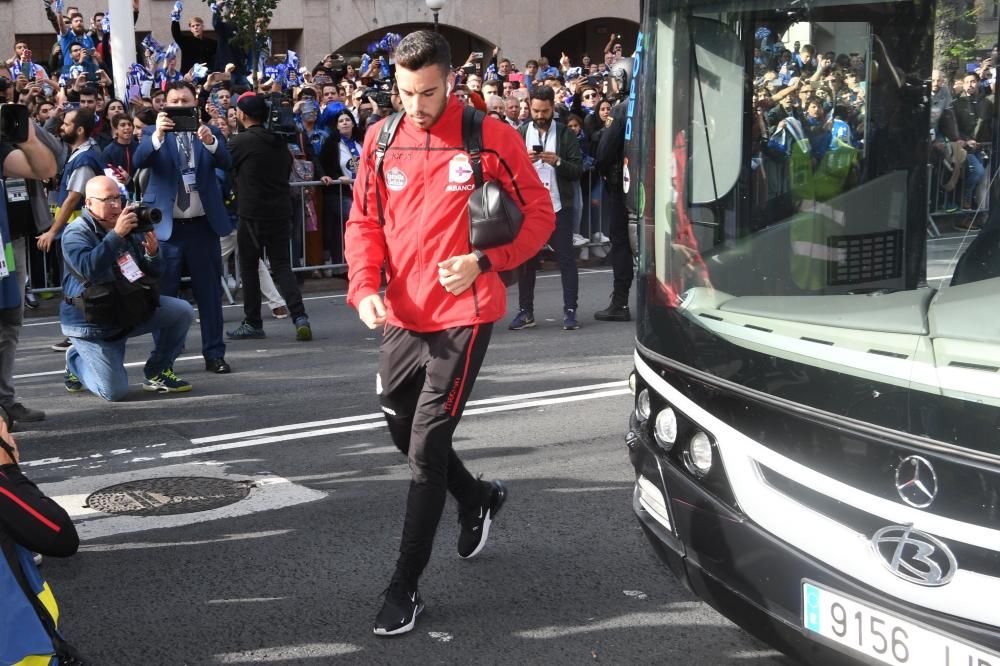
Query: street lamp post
(435, 6)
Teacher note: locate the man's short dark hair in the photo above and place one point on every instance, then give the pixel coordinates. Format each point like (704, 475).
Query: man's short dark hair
(543, 93)
(89, 91)
(422, 48)
(530, 63)
(307, 92)
(120, 117)
(74, 15)
(183, 85)
(156, 92)
(86, 119)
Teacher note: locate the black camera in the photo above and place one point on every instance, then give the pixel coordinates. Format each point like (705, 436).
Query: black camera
(14, 123)
(280, 118)
(148, 218)
(380, 94)
(185, 118)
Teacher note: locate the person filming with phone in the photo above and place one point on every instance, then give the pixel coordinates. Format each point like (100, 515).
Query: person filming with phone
(182, 155)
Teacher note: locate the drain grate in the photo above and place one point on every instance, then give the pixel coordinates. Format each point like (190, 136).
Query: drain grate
(167, 496)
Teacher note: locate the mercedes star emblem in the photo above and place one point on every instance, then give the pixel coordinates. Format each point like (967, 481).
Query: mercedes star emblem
(916, 481)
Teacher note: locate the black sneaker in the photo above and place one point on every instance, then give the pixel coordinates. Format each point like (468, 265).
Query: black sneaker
(19, 412)
(476, 523)
(246, 331)
(62, 345)
(400, 610)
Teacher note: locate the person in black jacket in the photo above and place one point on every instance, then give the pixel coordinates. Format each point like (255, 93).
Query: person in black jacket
(339, 157)
(555, 153)
(29, 522)
(609, 159)
(263, 164)
(195, 46)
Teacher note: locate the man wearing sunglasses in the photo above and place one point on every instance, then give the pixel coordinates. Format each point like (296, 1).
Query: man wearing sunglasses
(98, 247)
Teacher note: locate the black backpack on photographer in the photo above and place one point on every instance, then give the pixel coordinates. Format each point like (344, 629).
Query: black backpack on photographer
(494, 217)
(121, 305)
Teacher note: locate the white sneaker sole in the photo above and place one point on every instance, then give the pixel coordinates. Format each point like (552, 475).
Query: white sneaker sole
(482, 541)
(405, 628)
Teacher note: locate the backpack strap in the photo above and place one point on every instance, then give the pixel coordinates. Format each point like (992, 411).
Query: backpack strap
(472, 140)
(385, 137)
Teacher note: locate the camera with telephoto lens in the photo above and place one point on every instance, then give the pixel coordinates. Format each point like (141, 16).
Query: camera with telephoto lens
(148, 218)
(14, 121)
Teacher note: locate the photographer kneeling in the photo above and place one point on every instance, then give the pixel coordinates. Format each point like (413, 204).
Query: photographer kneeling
(111, 293)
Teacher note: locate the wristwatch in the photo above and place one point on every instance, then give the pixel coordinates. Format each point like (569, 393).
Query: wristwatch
(485, 265)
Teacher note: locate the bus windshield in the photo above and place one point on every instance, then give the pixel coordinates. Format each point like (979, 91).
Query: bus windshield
(787, 168)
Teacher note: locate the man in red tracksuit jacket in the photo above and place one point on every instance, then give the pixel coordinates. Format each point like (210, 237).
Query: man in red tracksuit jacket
(441, 301)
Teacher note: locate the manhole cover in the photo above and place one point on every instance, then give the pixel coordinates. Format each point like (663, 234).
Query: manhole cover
(168, 496)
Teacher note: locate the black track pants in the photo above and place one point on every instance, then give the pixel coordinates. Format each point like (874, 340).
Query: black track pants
(424, 381)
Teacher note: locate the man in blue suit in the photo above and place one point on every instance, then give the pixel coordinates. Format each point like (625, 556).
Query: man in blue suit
(182, 184)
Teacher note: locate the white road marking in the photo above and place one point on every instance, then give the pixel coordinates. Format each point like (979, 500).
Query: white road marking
(666, 617)
(635, 594)
(357, 423)
(249, 600)
(143, 545)
(378, 415)
(441, 636)
(272, 492)
(287, 652)
(372, 425)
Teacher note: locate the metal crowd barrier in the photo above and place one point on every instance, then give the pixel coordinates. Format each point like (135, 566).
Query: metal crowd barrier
(590, 227)
(45, 271)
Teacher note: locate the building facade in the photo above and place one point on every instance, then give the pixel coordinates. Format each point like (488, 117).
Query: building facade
(522, 29)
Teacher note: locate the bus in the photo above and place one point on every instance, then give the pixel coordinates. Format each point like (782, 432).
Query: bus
(816, 424)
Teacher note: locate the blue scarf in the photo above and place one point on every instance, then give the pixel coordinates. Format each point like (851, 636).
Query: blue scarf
(352, 146)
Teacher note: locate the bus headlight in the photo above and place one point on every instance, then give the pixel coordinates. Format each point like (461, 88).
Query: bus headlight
(698, 457)
(665, 428)
(642, 405)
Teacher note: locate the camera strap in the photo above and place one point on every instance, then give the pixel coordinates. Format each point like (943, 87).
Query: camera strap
(385, 137)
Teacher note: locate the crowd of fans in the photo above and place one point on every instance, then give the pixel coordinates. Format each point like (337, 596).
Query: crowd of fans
(801, 94)
(71, 94)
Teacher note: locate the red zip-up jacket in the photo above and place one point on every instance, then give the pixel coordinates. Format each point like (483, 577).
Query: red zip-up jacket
(425, 196)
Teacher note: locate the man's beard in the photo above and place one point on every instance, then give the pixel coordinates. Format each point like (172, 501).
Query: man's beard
(543, 124)
(69, 139)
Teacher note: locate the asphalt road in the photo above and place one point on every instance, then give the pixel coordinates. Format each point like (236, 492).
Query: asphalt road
(293, 573)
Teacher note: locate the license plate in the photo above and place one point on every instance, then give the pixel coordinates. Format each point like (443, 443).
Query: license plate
(884, 637)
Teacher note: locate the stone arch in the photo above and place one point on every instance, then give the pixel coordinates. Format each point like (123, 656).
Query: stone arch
(590, 37)
(462, 42)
